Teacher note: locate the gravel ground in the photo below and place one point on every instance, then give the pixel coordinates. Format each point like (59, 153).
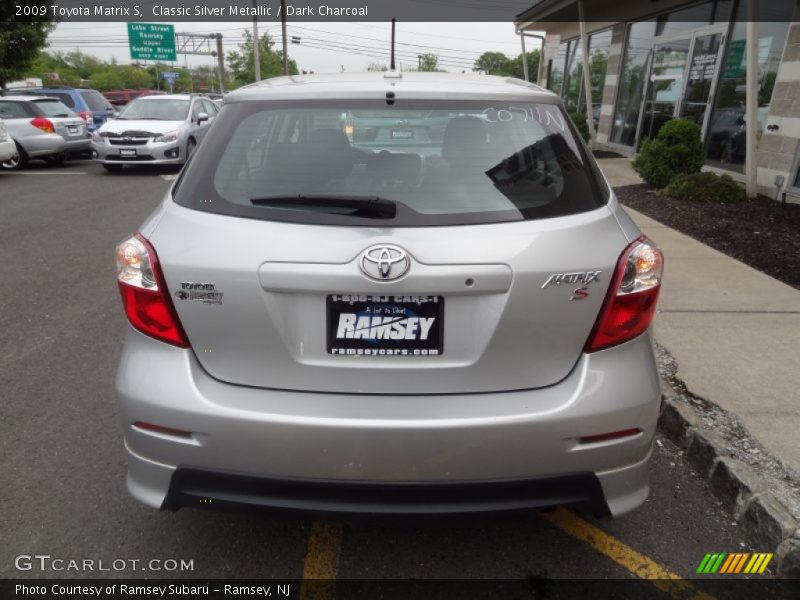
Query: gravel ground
(760, 232)
(784, 483)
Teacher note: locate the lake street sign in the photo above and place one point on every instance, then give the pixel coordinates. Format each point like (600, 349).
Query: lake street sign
(151, 41)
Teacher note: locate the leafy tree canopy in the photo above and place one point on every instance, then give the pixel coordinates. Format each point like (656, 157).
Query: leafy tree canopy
(21, 38)
(241, 61)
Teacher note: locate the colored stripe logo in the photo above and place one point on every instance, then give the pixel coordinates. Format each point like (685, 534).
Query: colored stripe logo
(733, 563)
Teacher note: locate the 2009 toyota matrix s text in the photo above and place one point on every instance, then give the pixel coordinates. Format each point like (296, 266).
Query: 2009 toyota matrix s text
(406, 293)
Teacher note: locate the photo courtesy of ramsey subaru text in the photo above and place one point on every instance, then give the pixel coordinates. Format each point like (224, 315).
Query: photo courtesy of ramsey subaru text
(389, 293)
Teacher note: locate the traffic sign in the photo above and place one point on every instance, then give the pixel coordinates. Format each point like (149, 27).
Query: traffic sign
(152, 41)
(170, 76)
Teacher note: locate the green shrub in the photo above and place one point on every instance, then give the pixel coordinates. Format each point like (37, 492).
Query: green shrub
(705, 187)
(676, 150)
(582, 124)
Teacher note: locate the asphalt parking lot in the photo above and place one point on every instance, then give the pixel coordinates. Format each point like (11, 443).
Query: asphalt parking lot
(62, 463)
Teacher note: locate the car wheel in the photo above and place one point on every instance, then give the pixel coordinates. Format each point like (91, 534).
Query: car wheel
(16, 162)
(191, 145)
(113, 168)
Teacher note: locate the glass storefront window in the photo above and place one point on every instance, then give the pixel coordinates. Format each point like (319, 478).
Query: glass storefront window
(725, 139)
(556, 77)
(573, 82)
(638, 42)
(599, 47)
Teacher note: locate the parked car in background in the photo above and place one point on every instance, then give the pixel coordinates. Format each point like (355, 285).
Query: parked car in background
(121, 98)
(89, 105)
(8, 149)
(447, 311)
(42, 127)
(154, 130)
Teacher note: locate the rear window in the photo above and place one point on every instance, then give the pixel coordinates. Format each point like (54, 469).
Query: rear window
(53, 108)
(13, 110)
(95, 100)
(439, 162)
(63, 96)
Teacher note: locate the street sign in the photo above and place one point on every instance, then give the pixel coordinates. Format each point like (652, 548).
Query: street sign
(151, 41)
(170, 76)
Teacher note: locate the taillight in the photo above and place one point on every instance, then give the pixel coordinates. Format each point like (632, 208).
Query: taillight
(45, 125)
(144, 292)
(631, 301)
(87, 116)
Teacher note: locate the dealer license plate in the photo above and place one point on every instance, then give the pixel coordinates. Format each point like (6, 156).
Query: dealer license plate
(385, 325)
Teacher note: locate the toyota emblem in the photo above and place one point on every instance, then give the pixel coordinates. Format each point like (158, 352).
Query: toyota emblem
(384, 262)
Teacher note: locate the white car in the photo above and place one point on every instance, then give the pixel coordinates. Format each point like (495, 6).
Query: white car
(8, 149)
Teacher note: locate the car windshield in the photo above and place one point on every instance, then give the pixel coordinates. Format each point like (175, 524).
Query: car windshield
(159, 109)
(440, 162)
(53, 108)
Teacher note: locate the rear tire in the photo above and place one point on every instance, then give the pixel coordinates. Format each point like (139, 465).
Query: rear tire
(113, 168)
(16, 162)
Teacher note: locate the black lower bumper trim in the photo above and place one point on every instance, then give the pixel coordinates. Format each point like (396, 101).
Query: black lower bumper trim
(192, 487)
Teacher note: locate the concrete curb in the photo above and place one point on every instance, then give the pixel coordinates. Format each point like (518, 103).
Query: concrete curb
(736, 484)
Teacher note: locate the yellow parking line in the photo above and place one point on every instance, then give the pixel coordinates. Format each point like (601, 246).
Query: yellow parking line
(638, 564)
(322, 561)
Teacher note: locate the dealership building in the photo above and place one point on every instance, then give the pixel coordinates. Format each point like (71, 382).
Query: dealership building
(732, 66)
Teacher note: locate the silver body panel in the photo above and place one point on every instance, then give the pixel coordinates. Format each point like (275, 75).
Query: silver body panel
(472, 437)
(7, 150)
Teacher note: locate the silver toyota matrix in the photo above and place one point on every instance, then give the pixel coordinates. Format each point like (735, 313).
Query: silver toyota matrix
(389, 293)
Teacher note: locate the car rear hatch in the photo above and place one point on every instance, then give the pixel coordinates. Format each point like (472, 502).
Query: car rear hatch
(473, 260)
(253, 298)
(66, 124)
(99, 106)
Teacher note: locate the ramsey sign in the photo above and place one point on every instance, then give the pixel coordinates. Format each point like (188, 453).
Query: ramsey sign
(151, 41)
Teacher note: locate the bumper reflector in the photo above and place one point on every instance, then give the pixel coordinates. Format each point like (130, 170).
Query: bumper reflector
(161, 429)
(604, 437)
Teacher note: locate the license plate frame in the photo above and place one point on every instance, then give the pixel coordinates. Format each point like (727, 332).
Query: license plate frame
(127, 152)
(344, 314)
(72, 129)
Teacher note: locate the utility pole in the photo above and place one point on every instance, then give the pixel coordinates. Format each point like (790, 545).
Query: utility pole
(283, 32)
(221, 63)
(256, 45)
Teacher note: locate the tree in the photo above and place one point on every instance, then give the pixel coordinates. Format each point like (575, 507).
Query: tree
(493, 63)
(427, 62)
(241, 62)
(377, 67)
(109, 79)
(497, 63)
(21, 38)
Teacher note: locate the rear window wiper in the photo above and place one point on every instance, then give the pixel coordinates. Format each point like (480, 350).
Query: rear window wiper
(373, 207)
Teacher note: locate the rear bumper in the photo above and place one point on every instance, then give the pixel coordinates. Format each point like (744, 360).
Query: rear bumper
(190, 487)
(343, 452)
(45, 144)
(78, 146)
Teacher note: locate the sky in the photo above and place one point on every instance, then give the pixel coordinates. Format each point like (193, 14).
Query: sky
(324, 47)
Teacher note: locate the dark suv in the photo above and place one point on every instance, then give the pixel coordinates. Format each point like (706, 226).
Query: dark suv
(88, 104)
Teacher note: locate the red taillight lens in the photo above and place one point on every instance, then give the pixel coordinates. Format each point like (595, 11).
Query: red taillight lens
(86, 116)
(631, 301)
(144, 292)
(45, 125)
